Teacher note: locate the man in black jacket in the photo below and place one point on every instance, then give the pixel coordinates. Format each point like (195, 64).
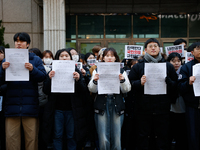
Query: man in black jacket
(152, 111)
(185, 84)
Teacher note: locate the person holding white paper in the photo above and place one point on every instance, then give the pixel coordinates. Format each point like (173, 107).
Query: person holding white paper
(192, 102)
(21, 103)
(152, 111)
(68, 109)
(177, 111)
(109, 108)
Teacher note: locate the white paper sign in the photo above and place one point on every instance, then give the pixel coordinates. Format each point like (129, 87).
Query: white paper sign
(175, 48)
(155, 78)
(79, 65)
(161, 49)
(188, 57)
(133, 51)
(63, 81)
(108, 82)
(17, 59)
(1, 102)
(196, 84)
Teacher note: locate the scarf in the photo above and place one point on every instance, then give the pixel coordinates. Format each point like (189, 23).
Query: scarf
(151, 59)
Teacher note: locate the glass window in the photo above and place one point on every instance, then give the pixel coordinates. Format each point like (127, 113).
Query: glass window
(118, 26)
(173, 26)
(194, 25)
(71, 43)
(145, 26)
(193, 40)
(90, 27)
(71, 27)
(87, 47)
(120, 49)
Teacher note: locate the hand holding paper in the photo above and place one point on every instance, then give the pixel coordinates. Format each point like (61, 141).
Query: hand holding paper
(192, 79)
(121, 77)
(5, 65)
(76, 76)
(96, 77)
(51, 74)
(143, 80)
(29, 66)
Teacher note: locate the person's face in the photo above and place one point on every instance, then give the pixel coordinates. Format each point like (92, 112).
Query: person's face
(1, 56)
(73, 52)
(176, 63)
(152, 49)
(21, 44)
(64, 56)
(196, 53)
(91, 57)
(47, 55)
(185, 46)
(109, 57)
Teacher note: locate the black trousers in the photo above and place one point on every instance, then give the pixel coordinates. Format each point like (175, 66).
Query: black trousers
(152, 131)
(178, 131)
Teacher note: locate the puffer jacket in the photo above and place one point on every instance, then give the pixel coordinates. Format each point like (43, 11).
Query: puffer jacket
(22, 96)
(185, 89)
(152, 104)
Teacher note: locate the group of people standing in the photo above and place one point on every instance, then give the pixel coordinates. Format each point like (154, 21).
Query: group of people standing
(129, 120)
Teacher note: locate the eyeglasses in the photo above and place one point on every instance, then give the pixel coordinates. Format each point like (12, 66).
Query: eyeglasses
(198, 48)
(151, 45)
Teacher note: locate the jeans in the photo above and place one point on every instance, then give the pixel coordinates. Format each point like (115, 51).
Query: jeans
(109, 127)
(64, 121)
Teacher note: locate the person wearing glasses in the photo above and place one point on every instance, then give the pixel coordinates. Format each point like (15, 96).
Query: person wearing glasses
(192, 102)
(152, 111)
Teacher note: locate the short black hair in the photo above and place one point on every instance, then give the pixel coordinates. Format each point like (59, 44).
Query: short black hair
(36, 51)
(194, 45)
(60, 51)
(179, 41)
(23, 36)
(151, 40)
(189, 49)
(173, 55)
(2, 49)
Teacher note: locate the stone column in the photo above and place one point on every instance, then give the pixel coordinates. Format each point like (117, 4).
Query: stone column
(54, 25)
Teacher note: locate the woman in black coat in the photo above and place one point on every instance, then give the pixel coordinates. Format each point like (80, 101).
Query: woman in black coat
(65, 111)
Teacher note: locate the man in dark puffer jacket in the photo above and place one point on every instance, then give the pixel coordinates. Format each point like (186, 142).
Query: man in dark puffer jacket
(152, 111)
(21, 104)
(192, 102)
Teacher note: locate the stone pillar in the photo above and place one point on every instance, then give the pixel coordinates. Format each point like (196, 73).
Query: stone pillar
(54, 25)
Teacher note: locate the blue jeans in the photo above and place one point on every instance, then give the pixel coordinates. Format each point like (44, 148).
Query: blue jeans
(109, 127)
(64, 121)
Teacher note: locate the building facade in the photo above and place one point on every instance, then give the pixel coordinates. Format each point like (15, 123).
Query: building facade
(55, 24)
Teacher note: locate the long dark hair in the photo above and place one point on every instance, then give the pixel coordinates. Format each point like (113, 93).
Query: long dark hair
(113, 51)
(60, 51)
